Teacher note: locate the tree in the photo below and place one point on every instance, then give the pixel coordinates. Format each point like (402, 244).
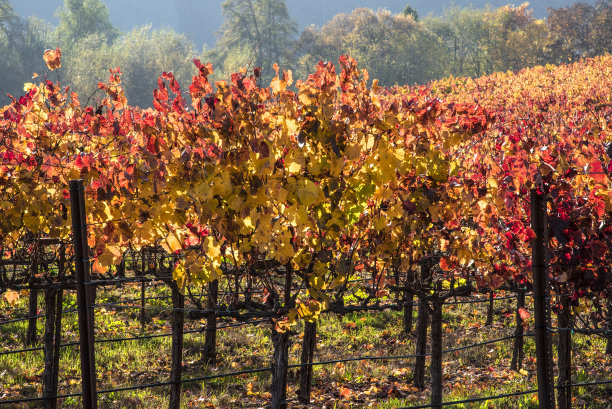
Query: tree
(462, 31)
(257, 30)
(86, 63)
(409, 11)
(481, 41)
(7, 15)
(394, 48)
(7, 19)
(81, 18)
(602, 27)
(571, 31)
(580, 30)
(144, 54)
(22, 43)
(516, 39)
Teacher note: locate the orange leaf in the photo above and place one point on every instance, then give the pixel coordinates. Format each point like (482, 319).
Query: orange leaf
(524, 314)
(345, 392)
(53, 58)
(11, 297)
(350, 325)
(282, 326)
(445, 264)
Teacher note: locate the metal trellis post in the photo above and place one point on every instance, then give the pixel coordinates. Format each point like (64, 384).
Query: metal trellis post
(541, 301)
(84, 302)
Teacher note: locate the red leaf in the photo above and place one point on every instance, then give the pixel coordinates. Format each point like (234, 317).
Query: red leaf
(78, 162)
(152, 145)
(204, 69)
(597, 172)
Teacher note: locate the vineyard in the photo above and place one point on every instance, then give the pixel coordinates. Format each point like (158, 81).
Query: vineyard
(276, 212)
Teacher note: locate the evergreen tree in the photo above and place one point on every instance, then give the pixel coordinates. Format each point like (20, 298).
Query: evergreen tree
(409, 11)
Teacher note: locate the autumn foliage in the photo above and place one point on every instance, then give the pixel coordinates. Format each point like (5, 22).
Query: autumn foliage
(325, 178)
(552, 131)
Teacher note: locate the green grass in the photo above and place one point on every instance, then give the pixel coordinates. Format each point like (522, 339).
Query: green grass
(475, 372)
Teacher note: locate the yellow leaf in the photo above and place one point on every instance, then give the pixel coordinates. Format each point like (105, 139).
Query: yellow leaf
(454, 168)
(281, 195)
(314, 165)
(297, 216)
(380, 223)
(337, 166)
(202, 189)
(31, 222)
(235, 202)
(320, 268)
(317, 282)
(291, 125)
(353, 152)
(434, 211)
(213, 249)
(171, 243)
(492, 183)
(179, 274)
(222, 185)
(283, 253)
(307, 192)
(306, 98)
(395, 211)
(294, 161)
(110, 256)
(250, 389)
(339, 280)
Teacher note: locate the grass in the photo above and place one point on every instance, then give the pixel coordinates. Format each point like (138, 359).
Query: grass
(479, 371)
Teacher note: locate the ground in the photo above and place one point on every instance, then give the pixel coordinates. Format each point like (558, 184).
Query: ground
(383, 384)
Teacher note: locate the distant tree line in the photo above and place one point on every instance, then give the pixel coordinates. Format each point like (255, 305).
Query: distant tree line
(395, 48)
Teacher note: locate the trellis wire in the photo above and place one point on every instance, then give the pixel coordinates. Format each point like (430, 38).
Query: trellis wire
(70, 311)
(346, 309)
(267, 369)
(328, 362)
(473, 400)
(168, 334)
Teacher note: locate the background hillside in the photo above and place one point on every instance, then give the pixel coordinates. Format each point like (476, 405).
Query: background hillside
(389, 39)
(199, 20)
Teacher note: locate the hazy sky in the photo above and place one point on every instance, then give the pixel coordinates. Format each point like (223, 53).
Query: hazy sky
(200, 19)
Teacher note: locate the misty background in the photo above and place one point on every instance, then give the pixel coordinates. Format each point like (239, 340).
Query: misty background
(398, 41)
(199, 20)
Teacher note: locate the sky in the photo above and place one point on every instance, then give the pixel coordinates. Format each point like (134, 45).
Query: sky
(201, 19)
